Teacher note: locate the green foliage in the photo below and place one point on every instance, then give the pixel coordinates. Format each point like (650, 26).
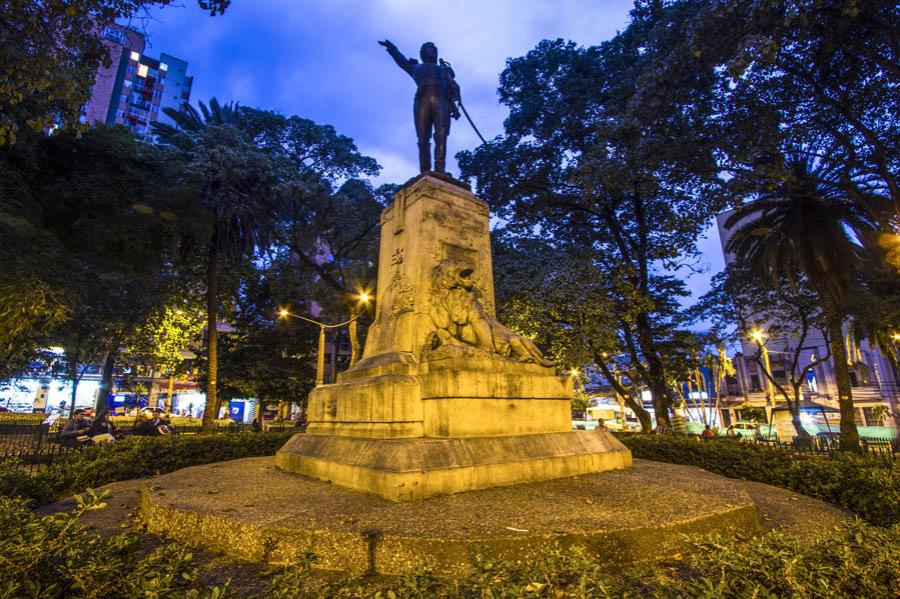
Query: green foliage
(53, 556)
(167, 332)
(630, 188)
(133, 457)
(869, 486)
(86, 232)
(265, 357)
(856, 560)
(38, 487)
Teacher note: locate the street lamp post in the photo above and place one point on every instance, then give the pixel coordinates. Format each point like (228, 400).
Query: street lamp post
(364, 298)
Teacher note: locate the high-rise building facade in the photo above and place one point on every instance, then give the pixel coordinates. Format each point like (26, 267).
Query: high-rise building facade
(133, 88)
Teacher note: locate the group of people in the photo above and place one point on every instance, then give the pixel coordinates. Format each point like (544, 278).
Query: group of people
(729, 433)
(79, 429)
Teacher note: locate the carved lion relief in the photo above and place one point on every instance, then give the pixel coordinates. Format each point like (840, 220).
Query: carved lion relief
(459, 317)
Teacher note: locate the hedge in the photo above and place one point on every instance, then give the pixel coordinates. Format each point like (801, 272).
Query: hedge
(132, 457)
(55, 557)
(869, 486)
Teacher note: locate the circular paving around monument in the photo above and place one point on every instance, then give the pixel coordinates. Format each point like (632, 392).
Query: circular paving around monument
(251, 511)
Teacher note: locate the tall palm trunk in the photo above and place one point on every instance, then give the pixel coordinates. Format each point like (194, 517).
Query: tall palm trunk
(212, 350)
(849, 434)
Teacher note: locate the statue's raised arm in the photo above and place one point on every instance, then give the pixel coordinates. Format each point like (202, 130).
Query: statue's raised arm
(433, 104)
(403, 62)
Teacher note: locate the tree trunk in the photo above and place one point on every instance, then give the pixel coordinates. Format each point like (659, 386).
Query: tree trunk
(661, 403)
(153, 396)
(659, 389)
(73, 376)
(102, 400)
(849, 434)
(171, 390)
(212, 350)
(643, 415)
(794, 409)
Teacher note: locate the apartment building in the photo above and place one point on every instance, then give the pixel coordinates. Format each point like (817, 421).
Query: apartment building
(133, 88)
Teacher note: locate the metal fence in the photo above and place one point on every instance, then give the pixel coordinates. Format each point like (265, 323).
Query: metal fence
(820, 445)
(830, 444)
(29, 444)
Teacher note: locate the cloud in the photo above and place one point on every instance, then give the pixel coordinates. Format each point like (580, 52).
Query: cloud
(395, 168)
(320, 60)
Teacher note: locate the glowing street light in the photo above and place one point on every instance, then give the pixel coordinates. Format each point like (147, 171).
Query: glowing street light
(320, 354)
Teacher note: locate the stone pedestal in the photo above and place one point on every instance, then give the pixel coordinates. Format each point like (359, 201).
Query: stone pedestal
(445, 398)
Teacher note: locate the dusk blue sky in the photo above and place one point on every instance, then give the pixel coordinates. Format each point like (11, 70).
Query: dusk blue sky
(320, 60)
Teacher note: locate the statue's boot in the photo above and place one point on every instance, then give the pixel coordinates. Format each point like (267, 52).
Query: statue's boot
(440, 153)
(424, 156)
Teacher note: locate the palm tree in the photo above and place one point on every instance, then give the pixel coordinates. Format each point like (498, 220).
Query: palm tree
(232, 179)
(803, 227)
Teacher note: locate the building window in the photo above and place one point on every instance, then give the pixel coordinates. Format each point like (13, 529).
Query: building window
(163, 66)
(132, 71)
(142, 70)
(754, 383)
(114, 35)
(135, 56)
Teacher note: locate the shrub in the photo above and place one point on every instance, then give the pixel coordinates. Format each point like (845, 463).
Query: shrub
(53, 556)
(856, 560)
(16, 482)
(133, 457)
(19, 417)
(867, 485)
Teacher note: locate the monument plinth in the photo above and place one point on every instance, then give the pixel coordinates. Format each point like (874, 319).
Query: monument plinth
(445, 398)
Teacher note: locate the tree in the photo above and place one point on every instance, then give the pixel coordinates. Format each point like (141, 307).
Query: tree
(264, 357)
(235, 182)
(817, 74)
(635, 185)
(166, 334)
(332, 234)
(332, 239)
(252, 171)
(49, 56)
(800, 227)
(92, 232)
(742, 306)
(561, 298)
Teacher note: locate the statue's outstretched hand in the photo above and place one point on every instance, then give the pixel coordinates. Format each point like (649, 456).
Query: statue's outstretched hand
(386, 43)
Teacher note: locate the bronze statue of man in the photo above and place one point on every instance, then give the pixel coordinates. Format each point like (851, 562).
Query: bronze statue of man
(435, 102)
